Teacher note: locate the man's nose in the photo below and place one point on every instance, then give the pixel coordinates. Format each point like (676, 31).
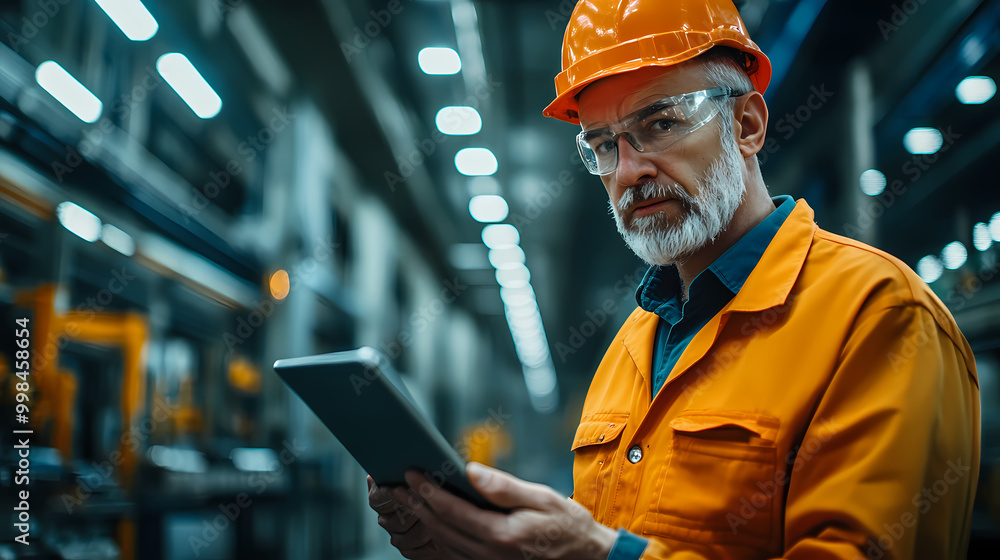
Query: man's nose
(634, 167)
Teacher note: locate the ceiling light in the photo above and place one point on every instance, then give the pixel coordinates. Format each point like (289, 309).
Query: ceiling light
(476, 161)
(981, 236)
(929, 268)
(178, 71)
(439, 60)
(995, 227)
(506, 255)
(67, 90)
(873, 182)
(976, 90)
(518, 297)
(923, 140)
(117, 240)
(496, 236)
(954, 255)
(458, 121)
(79, 221)
(178, 459)
(488, 208)
(513, 276)
(132, 17)
(255, 459)
(540, 381)
(973, 50)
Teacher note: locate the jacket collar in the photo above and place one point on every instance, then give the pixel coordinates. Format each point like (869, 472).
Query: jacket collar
(768, 285)
(772, 279)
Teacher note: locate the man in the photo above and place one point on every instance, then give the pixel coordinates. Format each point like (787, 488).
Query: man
(780, 392)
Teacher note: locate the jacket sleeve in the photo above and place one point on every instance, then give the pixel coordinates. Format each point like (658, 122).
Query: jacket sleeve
(896, 475)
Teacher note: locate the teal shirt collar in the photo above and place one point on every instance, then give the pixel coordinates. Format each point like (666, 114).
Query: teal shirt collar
(659, 291)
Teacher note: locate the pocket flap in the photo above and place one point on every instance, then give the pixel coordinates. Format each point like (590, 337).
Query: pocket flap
(765, 427)
(599, 429)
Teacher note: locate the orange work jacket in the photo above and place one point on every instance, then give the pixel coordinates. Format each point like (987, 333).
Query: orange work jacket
(830, 410)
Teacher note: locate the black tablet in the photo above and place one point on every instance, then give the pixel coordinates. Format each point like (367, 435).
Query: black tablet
(363, 402)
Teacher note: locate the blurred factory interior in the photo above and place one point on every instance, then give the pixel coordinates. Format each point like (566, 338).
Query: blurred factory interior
(192, 189)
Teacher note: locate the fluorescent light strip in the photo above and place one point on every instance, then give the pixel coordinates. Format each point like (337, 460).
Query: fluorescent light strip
(476, 161)
(458, 121)
(487, 208)
(439, 61)
(79, 221)
(132, 17)
(923, 140)
(118, 240)
(178, 71)
(69, 91)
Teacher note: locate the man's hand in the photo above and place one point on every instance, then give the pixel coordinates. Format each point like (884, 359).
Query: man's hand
(542, 524)
(405, 530)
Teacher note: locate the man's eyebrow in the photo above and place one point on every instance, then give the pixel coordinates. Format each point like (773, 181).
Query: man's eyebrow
(654, 107)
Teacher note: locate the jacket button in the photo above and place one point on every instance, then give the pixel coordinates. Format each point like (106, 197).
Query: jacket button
(635, 454)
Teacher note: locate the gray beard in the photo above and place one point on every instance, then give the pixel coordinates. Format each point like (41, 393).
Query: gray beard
(656, 240)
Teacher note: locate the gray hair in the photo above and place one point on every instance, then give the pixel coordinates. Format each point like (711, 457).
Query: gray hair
(726, 67)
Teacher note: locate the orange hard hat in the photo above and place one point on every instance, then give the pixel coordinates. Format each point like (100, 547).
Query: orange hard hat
(608, 37)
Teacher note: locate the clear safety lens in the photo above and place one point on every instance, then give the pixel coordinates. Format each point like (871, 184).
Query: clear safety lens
(653, 128)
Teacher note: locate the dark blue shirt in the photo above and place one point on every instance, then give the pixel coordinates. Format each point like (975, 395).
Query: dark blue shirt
(710, 291)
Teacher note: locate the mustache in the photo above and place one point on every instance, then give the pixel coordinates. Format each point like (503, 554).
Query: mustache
(639, 194)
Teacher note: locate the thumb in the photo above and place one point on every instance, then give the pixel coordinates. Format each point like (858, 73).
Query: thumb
(506, 490)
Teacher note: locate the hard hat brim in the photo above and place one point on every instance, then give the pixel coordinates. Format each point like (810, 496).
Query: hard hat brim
(663, 49)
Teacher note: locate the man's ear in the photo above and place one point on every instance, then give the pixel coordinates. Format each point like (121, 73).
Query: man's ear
(750, 113)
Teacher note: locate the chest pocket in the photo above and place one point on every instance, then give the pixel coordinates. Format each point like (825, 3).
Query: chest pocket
(596, 447)
(719, 486)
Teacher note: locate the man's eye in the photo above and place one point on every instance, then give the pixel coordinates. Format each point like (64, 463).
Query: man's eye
(605, 147)
(660, 125)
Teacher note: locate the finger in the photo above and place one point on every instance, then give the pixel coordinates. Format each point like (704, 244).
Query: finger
(446, 534)
(429, 551)
(381, 499)
(399, 521)
(506, 490)
(371, 482)
(418, 537)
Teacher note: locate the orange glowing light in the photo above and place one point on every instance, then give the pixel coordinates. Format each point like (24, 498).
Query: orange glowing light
(279, 285)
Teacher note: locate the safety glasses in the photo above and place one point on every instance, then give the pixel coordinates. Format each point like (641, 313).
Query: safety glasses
(653, 128)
